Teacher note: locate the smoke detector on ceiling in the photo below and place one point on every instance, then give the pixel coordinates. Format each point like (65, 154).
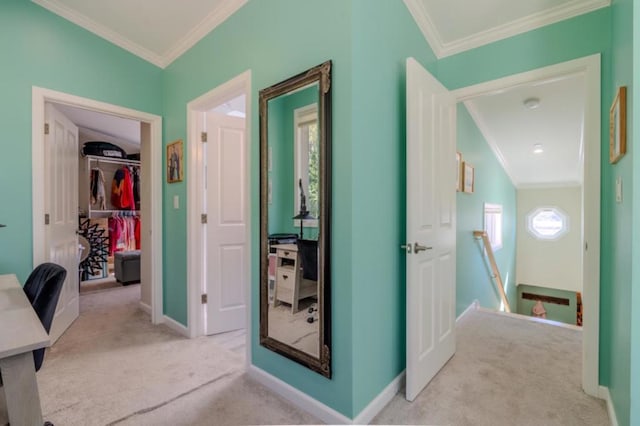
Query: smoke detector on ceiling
(532, 103)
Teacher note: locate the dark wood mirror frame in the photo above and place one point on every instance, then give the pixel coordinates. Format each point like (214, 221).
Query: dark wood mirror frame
(321, 75)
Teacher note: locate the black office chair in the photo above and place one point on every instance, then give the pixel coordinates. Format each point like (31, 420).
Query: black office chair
(43, 292)
(37, 279)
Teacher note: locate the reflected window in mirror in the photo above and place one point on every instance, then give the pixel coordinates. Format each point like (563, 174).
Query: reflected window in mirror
(307, 162)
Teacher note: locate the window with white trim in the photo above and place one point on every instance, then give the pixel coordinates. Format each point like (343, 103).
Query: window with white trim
(493, 224)
(307, 161)
(547, 223)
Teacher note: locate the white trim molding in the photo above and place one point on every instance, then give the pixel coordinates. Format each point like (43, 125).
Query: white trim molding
(606, 395)
(175, 326)
(589, 67)
(380, 401)
(163, 59)
(39, 97)
(474, 306)
(144, 307)
(527, 23)
(240, 85)
(298, 398)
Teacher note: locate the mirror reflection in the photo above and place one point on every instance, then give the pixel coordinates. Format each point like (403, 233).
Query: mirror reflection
(294, 214)
(293, 219)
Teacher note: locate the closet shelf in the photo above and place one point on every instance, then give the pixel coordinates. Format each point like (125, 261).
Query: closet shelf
(113, 211)
(110, 160)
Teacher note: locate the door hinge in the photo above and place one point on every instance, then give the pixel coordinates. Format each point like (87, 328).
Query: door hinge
(203, 298)
(203, 218)
(46, 128)
(203, 136)
(46, 218)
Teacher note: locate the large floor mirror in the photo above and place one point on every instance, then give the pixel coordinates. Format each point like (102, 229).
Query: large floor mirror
(295, 217)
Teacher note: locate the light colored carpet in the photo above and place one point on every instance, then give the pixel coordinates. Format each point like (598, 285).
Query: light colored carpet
(113, 367)
(505, 371)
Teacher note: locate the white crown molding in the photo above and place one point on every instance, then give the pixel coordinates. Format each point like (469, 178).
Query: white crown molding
(550, 185)
(484, 129)
(211, 21)
(519, 26)
(100, 30)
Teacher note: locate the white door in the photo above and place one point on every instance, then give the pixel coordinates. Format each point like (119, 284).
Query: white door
(431, 227)
(61, 206)
(226, 268)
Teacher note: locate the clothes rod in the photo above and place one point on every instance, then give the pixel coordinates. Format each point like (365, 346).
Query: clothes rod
(113, 160)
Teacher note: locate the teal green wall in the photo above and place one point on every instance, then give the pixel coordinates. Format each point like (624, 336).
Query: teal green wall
(39, 48)
(634, 117)
(281, 141)
(384, 35)
(616, 252)
(263, 37)
(555, 312)
(492, 185)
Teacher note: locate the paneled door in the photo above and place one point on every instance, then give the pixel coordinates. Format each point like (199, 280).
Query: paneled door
(61, 207)
(226, 269)
(431, 227)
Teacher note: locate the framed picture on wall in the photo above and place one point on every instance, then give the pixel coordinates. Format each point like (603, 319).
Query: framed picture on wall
(618, 126)
(458, 172)
(175, 169)
(468, 178)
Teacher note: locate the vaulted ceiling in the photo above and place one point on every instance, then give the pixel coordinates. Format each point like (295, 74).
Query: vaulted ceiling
(159, 31)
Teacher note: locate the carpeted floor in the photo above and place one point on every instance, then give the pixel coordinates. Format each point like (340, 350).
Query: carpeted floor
(505, 371)
(114, 368)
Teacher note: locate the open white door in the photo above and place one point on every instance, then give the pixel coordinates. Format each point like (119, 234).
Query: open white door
(431, 227)
(226, 245)
(61, 207)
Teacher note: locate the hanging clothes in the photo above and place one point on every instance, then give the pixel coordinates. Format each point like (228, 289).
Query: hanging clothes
(98, 195)
(136, 186)
(124, 233)
(122, 190)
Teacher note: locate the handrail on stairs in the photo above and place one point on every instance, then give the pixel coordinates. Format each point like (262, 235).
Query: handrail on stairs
(481, 235)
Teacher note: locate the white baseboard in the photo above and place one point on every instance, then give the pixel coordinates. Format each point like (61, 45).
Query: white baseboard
(298, 398)
(144, 307)
(474, 306)
(380, 401)
(175, 325)
(604, 394)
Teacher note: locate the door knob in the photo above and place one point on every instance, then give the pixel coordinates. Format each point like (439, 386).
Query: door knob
(418, 248)
(406, 247)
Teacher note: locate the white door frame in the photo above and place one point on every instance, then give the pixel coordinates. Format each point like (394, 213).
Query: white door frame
(39, 97)
(590, 67)
(195, 254)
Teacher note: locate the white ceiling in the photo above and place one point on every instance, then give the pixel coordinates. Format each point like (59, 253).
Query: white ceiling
(512, 130)
(125, 131)
(453, 26)
(159, 31)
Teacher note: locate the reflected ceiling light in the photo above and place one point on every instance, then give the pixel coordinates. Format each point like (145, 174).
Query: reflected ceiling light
(537, 148)
(532, 103)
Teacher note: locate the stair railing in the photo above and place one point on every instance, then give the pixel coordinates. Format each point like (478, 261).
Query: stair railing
(497, 278)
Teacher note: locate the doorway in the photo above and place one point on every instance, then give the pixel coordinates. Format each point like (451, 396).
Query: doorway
(150, 129)
(219, 210)
(589, 69)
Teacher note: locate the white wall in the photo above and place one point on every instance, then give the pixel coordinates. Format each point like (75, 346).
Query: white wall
(550, 263)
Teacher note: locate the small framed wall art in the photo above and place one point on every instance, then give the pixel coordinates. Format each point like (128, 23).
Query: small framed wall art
(175, 169)
(618, 126)
(468, 178)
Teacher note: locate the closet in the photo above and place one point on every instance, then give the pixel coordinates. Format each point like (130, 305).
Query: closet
(109, 217)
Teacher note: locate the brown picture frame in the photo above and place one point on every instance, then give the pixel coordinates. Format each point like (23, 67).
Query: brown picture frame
(618, 126)
(458, 171)
(175, 162)
(468, 178)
